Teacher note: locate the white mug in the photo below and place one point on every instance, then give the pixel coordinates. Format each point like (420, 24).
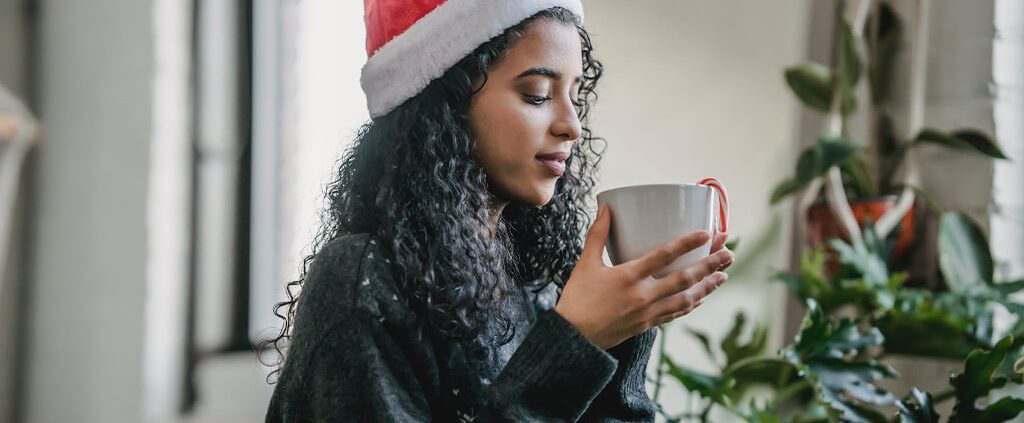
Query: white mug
(646, 216)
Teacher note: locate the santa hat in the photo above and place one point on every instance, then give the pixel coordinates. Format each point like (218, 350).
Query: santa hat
(412, 42)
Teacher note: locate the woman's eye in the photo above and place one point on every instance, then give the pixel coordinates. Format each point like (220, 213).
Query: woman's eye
(536, 101)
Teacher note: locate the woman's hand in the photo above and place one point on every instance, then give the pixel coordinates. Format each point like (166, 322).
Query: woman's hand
(609, 305)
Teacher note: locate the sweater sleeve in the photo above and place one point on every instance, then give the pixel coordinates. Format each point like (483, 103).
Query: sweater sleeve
(359, 373)
(625, 398)
(555, 374)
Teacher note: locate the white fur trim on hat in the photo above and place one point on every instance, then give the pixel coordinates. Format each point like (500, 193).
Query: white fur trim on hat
(405, 65)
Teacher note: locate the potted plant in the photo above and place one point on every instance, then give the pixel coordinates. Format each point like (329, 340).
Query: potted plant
(856, 319)
(861, 311)
(830, 372)
(877, 181)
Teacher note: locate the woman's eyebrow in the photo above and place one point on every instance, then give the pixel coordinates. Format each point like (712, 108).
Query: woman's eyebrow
(548, 72)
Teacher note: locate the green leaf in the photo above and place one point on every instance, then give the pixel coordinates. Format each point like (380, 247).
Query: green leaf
(860, 178)
(1003, 410)
(871, 266)
(729, 342)
(785, 188)
(833, 151)
(812, 84)
(808, 165)
(707, 386)
(964, 139)
(922, 324)
(842, 378)
(978, 379)
(981, 142)
(849, 69)
(928, 334)
(736, 351)
(964, 256)
(917, 407)
(1007, 288)
(865, 262)
(794, 282)
(733, 245)
(829, 355)
(812, 266)
(814, 162)
(828, 152)
(850, 63)
(770, 371)
(704, 341)
(811, 280)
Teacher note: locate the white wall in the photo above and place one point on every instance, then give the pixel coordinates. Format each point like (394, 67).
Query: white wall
(87, 273)
(695, 89)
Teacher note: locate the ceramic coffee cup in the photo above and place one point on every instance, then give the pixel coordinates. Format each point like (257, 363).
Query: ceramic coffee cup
(646, 216)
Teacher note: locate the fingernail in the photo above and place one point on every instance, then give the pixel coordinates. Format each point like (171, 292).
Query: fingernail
(600, 211)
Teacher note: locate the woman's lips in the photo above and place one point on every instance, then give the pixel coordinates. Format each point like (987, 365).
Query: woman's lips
(554, 162)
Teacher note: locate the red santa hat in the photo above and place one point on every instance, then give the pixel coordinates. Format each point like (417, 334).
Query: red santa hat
(412, 42)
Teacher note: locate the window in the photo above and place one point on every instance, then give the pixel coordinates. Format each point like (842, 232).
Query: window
(1007, 224)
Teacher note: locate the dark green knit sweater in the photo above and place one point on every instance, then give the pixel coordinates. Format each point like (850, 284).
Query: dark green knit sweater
(360, 354)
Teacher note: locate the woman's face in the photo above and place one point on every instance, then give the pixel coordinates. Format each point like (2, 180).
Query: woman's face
(524, 118)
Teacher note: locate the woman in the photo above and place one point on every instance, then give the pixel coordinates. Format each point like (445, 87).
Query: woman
(453, 228)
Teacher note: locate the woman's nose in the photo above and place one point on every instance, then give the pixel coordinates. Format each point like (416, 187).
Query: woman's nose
(567, 124)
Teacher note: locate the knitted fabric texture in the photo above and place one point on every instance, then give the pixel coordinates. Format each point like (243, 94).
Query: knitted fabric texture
(359, 353)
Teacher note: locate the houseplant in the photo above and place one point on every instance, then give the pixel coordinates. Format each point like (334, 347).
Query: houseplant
(860, 308)
(856, 318)
(877, 179)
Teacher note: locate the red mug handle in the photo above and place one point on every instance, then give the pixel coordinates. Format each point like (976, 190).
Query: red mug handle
(723, 201)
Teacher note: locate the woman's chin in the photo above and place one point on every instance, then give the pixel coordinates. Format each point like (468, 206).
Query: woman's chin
(543, 196)
(537, 195)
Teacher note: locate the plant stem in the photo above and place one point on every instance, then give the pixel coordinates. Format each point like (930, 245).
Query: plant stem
(943, 396)
(789, 391)
(755, 359)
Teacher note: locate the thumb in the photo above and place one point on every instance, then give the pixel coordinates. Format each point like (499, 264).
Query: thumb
(597, 236)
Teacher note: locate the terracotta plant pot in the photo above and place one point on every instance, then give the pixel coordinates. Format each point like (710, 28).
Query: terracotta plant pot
(822, 225)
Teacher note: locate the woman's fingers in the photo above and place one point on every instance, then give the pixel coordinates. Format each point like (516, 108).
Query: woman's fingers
(718, 244)
(682, 303)
(666, 319)
(729, 263)
(682, 280)
(668, 252)
(597, 236)
(719, 241)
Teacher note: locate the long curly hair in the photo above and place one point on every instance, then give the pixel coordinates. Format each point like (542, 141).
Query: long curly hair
(409, 180)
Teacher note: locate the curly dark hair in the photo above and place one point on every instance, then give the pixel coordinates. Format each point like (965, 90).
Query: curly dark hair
(409, 180)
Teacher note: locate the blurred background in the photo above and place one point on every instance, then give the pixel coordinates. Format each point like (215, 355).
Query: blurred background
(163, 164)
